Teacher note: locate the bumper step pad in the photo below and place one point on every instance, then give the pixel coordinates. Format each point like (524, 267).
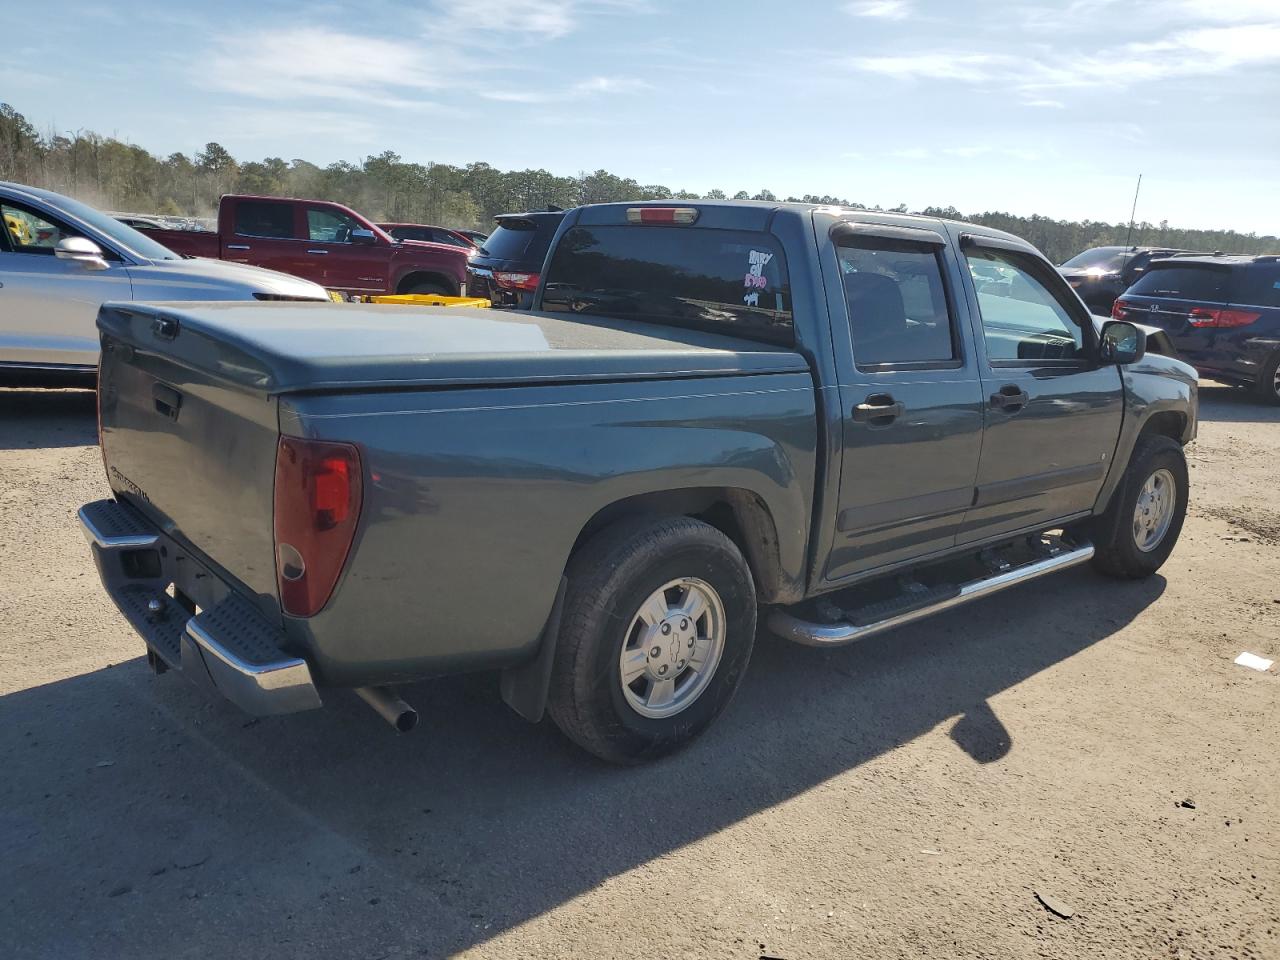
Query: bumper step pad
(229, 648)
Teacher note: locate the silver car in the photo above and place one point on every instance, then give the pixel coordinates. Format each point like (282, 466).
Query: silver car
(60, 259)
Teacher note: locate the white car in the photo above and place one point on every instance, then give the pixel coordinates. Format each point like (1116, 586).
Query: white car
(60, 260)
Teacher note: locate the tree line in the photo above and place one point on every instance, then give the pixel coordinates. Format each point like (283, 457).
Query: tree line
(119, 176)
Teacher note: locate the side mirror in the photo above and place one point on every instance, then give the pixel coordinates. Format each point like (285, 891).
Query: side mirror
(362, 236)
(1122, 342)
(83, 251)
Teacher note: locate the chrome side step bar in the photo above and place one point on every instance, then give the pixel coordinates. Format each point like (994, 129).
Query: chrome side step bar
(838, 634)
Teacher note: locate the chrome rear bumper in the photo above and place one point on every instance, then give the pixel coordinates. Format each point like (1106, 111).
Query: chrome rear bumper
(213, 635)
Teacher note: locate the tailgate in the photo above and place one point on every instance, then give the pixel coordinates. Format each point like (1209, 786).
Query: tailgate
(189, 438)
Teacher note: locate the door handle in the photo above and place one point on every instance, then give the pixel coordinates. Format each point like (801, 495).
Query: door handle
(878, 410)
(318, 251)
(168, 401)
(1011, 398)
(237, 246)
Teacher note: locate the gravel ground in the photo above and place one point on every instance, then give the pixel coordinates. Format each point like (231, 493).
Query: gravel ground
(907, 797)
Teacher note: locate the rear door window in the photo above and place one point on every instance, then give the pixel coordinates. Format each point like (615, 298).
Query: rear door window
(1261, 286)
(258, 218)
(897, 302)
(1183, 282)
(724, 281)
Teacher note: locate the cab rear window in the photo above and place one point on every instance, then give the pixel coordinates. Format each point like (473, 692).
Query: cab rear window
(1183, 282)
(723, 281)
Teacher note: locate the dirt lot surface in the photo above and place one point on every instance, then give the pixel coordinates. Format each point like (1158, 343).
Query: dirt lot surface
(907, 797)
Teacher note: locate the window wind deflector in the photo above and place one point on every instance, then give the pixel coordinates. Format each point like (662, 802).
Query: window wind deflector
(850, 231)
(994, 243)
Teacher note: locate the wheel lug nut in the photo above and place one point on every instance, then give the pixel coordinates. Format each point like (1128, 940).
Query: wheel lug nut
(666, 628)
(655, 652)
(663, 668)
(691, 643)
(680, 664)
(684, 624)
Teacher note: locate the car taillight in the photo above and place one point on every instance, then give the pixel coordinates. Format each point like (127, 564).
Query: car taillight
(1119, 310)
(516, 281)
(662, 214)
(318, 495)
(1210, 317)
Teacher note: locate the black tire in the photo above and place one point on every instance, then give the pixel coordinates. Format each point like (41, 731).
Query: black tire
(429, 289)
(1116, 551)
(1267, 387)
(609, 578)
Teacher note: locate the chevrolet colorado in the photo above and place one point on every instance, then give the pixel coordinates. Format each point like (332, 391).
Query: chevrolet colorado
(835, 417)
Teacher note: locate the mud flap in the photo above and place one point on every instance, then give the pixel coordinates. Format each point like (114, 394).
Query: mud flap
(524, 687)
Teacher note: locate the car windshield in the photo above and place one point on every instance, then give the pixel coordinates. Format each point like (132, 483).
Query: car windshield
(1102, 258)
(113, 229)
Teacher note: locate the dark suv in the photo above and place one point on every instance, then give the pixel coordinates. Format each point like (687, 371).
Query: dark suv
(1100, 274)
(1223, 313)
(508, 266)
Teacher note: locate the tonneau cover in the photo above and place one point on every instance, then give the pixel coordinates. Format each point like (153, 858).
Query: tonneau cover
(291, 347)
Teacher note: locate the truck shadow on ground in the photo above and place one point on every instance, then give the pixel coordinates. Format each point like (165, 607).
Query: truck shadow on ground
(325, 834)
(46, 418)
(1223, 404)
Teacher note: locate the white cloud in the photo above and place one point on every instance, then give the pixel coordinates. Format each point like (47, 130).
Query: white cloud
(880, 9)
(1202, 51)
(301, 64)
(934, 66)
(1229, 10)
(592, 86)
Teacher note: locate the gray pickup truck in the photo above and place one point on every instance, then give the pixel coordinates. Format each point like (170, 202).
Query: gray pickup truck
(837, 421)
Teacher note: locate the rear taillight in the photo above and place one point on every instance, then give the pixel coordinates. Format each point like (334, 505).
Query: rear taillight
(516, 281)
(1211, 317)
(1119, 310)
(318, 495)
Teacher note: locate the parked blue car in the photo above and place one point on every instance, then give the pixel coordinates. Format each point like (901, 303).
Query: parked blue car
(1223, 313)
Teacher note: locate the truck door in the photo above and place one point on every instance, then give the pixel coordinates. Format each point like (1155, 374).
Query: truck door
(1052, 412)
(263, 233)
(337, 257)
(911, 400)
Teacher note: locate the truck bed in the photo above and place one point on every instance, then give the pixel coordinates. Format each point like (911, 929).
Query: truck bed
(189, 243)
(469, 427)
(289, 347)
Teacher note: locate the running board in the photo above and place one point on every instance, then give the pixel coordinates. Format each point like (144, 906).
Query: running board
(838, 634)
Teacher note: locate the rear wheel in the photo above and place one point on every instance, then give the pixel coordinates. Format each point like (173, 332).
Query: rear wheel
(1136, 534)
(1267, 387)
(656, 631)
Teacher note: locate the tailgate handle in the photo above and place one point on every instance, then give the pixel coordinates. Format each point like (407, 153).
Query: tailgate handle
(164, 328)
(168, 400)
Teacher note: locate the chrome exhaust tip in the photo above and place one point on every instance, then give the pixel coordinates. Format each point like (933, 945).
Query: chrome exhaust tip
(390, 707)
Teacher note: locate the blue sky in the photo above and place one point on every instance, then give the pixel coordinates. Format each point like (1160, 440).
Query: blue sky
(1048, 107)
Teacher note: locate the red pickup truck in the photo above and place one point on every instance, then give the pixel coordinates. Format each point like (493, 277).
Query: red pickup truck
(324, 242)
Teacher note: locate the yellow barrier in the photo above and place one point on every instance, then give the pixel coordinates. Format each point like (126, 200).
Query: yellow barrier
(429, 300)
